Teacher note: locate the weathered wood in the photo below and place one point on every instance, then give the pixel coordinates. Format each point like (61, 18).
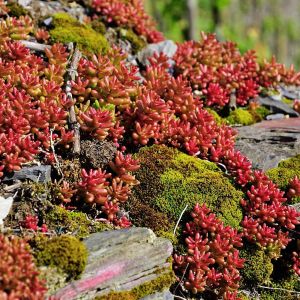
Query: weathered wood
(35, 46)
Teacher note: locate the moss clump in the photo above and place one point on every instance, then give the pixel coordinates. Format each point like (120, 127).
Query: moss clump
(137, 42)
(170, 180)
(219, 120)
(98, 26)
(62, 220)
(240, 116)
(67, 29)
(287, 289)
(66, 253)
(286, 170)
(258, 266)
(164, 281)
(260, 113)
(16, 10)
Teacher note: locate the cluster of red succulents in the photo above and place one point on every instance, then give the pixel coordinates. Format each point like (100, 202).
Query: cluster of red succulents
(128, 14)
(217, 70)
(18, 274)
(31, 223)
(293, 188)
(267, 215)
(212, 260)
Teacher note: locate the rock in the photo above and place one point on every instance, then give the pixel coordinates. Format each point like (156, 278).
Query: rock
(120, 260)
(276, 106)
(167, 47)
(5, 206)
(41, 173)
(290, 92)
(160, 296)
(97, 154)
(275, 117)
(269, 142)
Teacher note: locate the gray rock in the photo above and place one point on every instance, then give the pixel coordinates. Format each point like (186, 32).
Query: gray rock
(269, 142)
(120, 260)
(276, 106)
(275, 117)
(167, 47)
(290, 92)
(40, 173)
(160, 296)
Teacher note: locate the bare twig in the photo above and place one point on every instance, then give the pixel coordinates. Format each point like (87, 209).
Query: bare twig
(12, 187)
(280, 289)
(180, 298)
(53, 151)
(174, 232)
(71, 75)
(35, 46)
(181, 279)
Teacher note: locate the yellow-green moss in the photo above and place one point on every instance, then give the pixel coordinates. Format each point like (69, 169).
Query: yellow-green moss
(66, 253)
(287, 289)
(77, 223)
(258, 266)
(286, 170)
(163, 282)
(137, 42)
(240, 116)
(171, 179)
(219, 120)
(67, 29)
(98, 26)
(16, 10)
(260, 113)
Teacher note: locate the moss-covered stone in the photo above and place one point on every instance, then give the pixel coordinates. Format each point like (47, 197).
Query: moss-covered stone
(170, 180)
(137, 42)
(16, 10)
(67, 29)
(240, 116)
(78, 223)
(258, 266)
(286, 170)
(66, 253)
(161, 283)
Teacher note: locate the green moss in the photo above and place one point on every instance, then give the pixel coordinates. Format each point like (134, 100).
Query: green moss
(287, 289)
(62, 220)
(66, 253)
(137, 42)
(170, 180)
(98, 26)
(16, 10)
(286, 170)
(260, 113)
(258, 266)
(67, 29)
(219, 120)
(164, 281)
(240, 116)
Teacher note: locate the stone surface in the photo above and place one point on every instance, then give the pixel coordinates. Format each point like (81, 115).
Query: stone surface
(40, 173)
(269, 142)
(276, 106)
(120, 260)
(167, 47)
(160, 296)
